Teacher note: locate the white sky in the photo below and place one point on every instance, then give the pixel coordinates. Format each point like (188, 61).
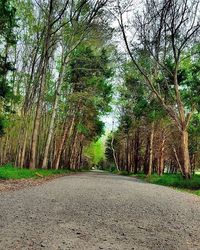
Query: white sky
(117, 39)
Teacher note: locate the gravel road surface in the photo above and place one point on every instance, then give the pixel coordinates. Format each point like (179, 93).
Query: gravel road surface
(90, 211)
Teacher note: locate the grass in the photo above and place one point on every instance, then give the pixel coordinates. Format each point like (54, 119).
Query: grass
(175, 180)
(10, 172)
(170, 180)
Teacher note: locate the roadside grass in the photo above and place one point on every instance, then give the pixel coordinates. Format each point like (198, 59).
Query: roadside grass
(175, 180)
(9, 172)
(170, 180)
(197, 192)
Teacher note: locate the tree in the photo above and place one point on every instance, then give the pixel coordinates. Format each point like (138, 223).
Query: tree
(7, 40)
(47, 118)
(81, 23)
(90, 95)
(166, 30)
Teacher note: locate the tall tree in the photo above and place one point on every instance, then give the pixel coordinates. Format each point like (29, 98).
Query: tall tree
(166, 29)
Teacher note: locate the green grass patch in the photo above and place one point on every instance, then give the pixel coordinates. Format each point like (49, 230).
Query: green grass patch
(171, 180)
(197, 192)
(175, 180)
(124, 172)
(10, 172)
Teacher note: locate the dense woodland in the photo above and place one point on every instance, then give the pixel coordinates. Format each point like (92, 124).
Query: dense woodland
(66, 64)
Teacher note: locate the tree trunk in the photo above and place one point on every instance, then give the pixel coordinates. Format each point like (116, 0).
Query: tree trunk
(177, 160)
(67, 131)
(23, 150)
(42, 77)
(127, 153)
(136, 151)
(36, 126)
(185, 164)
(161, 156)
(151, 149)
(114, 153)
(4, 158)
(53, 116)
(146, 158)
(161, 165)
(73, 156)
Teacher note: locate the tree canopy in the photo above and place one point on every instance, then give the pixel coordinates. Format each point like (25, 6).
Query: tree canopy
(65, 65)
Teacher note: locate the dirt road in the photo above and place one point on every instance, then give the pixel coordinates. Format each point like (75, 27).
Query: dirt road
(92, 211)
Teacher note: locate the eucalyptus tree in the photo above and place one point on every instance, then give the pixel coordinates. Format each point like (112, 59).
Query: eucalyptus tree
(84, 18)
(53, 15)
(167, 30)
(135, 134)
(48, 32)
(89, 98)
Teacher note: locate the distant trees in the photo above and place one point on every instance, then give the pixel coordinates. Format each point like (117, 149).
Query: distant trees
(56, 69)
(88, 98)
(146, 139)
(60, 83)
(166, 31)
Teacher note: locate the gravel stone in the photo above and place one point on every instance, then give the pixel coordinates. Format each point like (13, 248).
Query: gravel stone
(91, 211)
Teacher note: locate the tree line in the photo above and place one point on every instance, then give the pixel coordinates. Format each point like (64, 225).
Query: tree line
(54, 87)
(159, 97)
(61, 68)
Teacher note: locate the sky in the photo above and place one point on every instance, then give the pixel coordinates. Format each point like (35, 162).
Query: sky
(117, 39)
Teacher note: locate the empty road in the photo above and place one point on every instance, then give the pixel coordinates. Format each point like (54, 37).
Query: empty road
(91, 211)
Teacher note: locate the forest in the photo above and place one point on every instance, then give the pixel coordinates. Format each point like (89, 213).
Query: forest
(68, 65)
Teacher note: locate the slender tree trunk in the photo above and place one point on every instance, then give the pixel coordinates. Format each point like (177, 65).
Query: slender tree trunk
(177, 160)
(185, 155)
(35, 135)
(161, 156)
(81, 154)
(151, 149)
(67, 132)
(72, 161)
(161, 164)
(113, 152)
(136, 151)
(53, 116)
(51, 127)
(4, 158)
(146, 158)
(45, 59)
(193, 163)
(18, 156)
(23, 150)
(127, 153)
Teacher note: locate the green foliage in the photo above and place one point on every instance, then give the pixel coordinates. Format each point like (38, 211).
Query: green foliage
(188, 80)
(95, 152)
(194, 133)
(10, 172)
(75, 76)
(7, 39)
(7, 21)
(171, 180)
(175, 180)
(88, 73)
(89, 70)
(3, 123)
(137, 100)
(121, 172)
(108, 150)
